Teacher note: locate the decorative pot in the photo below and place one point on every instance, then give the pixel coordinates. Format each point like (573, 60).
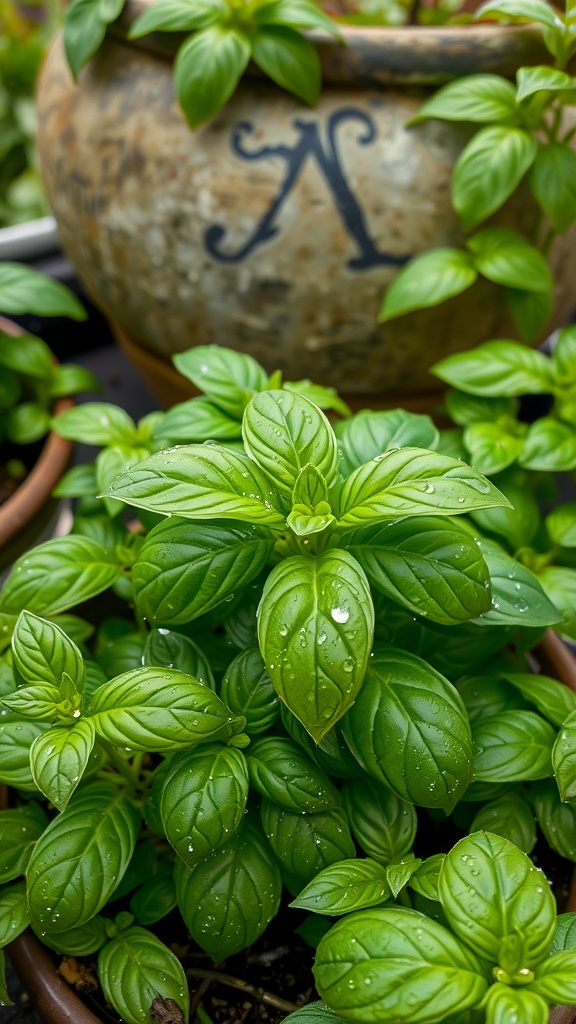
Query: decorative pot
(57, 1003)
(30, 515)
(274, 229)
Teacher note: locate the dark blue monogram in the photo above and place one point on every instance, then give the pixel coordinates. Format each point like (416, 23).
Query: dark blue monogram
(308, 145)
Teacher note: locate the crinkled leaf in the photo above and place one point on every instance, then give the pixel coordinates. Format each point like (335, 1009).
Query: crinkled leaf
(306, 843)
(229, 899)
(203, 800)
(247, 690)
(382, 824)
(368, 434)
(280, 770)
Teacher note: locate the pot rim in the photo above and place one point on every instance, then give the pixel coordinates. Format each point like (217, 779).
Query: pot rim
(376, 55)
(23, 506)
(57, 1003)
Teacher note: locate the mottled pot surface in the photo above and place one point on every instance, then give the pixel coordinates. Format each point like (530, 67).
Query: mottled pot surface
(274, 229)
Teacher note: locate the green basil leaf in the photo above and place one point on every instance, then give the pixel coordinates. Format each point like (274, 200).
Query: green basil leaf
(323, 396)
(533, 10)
(561, 525)
(536, 79)
(435, 569)
(85, 27)
(417, 970)
(16, 738)
(343, 887)
(490, 890)
(296, 14)
(43, 652)
(155, 899)
(134, 969)
(494, 446)
(510, 817)
(38, 703)
(467, 409)
(203, 800)
(247, 690)
(514, 746)
(472, 98)
(185, 570)
(230, 898)
(173, 650)
(382, 824)
(26, 355)
(427, 280)
(58, 759)
(20, 829)
(76, 629)
(518, 597)
(315, 629)
(306, 843)
(25, 290)
(551, 698)
(530, 311)
(198, 419)
(314, 1013)
(160, 709)
(488, 171)
(564, 758)
(111, 463)
(555, 978)
(488, 694)
(96, 423)
(503, 256)
(69, 379)
(227, 377)
(58, 575)
(82, 941)
(565, 934)
(85, 849)
(14, 917)
(207, 70)
(78, 482)
(200, 482)
(413, 482)
(425, 879)
(289, 59)
(280, 770)
(27, 423)
(120, 653)
(331, 753)
(368, 434)
(496, 368)
(398, 875)
(550, 446)
(559, 584)
(556, 820)
(176, 16)
(505, 1003)
(284, 432)
(564, 368)
(552, 182)
(517, 525)
(408, 728)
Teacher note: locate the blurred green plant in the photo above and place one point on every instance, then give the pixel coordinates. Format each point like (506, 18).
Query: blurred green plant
(24, 34)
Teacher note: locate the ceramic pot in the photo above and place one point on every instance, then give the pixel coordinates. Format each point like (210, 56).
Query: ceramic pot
(31, 514)
(57, 1003)
(275, 228)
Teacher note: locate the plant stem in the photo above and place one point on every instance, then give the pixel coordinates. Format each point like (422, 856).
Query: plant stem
(203, 1016)
(259, 993)
(120, 765)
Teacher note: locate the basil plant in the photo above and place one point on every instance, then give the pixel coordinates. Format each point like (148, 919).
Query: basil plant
(304, 667)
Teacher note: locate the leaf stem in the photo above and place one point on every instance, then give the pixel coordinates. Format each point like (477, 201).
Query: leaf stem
(259, 993)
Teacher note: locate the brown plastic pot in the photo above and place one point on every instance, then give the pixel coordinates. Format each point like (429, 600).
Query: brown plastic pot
(274, 229)
(57, 1003)
(31, 512)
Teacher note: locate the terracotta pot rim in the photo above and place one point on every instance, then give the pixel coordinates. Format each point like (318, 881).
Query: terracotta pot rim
(376, 54)
(35, 491)
(57, 1003)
